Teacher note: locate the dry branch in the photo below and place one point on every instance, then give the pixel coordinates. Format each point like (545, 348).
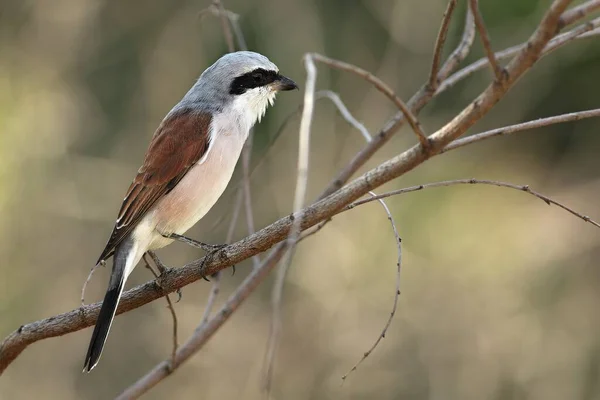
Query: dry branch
(439, 45)
(522, 188)
(398, 241)
(383, 88)
(485, 39)
(507, 130)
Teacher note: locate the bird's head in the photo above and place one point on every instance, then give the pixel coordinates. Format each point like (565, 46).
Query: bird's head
(244, 80)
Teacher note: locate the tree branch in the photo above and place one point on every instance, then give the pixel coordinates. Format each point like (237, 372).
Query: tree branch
(398, 241)
(485, 39)
(522, 188)
(439, 45)
(383, 88)
(507, 130)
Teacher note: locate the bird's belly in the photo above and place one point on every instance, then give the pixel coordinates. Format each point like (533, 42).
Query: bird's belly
(196, 193)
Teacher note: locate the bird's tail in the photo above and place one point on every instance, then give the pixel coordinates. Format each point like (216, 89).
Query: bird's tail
(124, 261)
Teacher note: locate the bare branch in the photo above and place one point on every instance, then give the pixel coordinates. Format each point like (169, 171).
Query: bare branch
(577, 13)
(205, 332)
(383, 88)
(507, 130)
(463, 48)
(577, 33)
(225, 25)
(439, 45)
(416, 104)
(299, 199)
(398, 241)
(485, 39)
(335, 98)
(522, 188)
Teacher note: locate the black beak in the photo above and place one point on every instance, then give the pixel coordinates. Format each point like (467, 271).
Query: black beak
(284, 83)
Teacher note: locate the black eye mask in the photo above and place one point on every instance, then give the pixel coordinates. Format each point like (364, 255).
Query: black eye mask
(253, 79)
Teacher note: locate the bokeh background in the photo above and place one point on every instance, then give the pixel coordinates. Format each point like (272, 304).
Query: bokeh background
(499, 291)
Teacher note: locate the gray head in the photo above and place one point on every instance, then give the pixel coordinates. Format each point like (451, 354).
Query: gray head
(245, 80)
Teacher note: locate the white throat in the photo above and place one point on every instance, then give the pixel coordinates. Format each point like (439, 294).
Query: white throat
(252, 105)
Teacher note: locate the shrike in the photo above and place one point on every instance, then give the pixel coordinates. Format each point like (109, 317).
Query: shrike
(187, 166)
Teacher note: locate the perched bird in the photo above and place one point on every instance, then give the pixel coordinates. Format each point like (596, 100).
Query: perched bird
(187, 166)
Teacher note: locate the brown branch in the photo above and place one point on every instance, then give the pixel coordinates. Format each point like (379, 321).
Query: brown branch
(398, 241)
(485, 39)
(522, 188)
(576, 33)
(416, 104)
(383, 88)
(578, 13)
(205, 332)
(323, 209)
(507, 130)
(439, 45)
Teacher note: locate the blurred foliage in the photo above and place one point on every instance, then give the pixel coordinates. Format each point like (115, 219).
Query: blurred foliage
(499, 291)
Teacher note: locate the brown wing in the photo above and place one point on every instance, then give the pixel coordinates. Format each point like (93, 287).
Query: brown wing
(178, 143)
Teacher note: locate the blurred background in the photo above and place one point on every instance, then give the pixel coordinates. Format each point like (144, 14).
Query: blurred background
(499, 291)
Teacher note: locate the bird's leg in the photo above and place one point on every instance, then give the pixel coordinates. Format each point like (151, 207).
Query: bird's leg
(211, 249)
(194, 243)
(163, 270)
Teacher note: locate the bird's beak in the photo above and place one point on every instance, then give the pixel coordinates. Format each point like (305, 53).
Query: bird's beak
(284, 83)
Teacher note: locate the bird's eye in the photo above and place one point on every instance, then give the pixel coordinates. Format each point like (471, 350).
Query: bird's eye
(257, 77)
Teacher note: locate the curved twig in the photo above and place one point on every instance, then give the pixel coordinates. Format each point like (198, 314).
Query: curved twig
(522, 188)
(398, 241)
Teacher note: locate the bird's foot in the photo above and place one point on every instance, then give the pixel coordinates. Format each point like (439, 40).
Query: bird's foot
(163, 271)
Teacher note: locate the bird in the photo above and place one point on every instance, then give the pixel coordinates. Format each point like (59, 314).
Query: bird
(187, 166)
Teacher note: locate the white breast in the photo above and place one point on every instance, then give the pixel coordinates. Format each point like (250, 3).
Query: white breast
(199, 189)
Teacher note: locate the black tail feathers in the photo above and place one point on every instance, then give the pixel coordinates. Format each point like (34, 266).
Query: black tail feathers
(108, 309)
(107, 313)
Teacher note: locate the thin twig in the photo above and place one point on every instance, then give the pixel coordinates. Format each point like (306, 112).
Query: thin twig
(462, 49)
(522, 188)
(335, 98)
(416, 104)
(439, 45)
(201, 336)
(225, 24)
(383, 88)
(292, 240)
(173, 314)
(237, 31)
(314, 230)
(507, 130)
(87, 281)
(485, 39)
(398, 241)
(578, 32)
